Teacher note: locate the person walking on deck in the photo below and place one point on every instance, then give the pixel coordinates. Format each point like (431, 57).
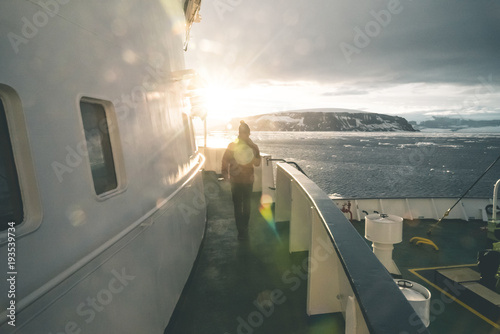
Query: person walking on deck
(238, 164)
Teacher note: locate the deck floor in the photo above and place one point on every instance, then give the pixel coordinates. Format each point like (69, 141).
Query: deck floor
(258, 286)
(250, 286)
(458, 242)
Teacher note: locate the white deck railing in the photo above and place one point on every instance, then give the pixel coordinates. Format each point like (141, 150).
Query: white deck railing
(343, 273)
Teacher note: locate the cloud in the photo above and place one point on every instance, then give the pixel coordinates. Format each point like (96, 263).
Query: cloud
(421, 41)
(393, 43)
(346, 91)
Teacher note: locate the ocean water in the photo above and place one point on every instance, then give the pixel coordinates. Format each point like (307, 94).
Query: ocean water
(386, 164)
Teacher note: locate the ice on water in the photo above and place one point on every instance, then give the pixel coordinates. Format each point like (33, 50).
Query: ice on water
(390, 164)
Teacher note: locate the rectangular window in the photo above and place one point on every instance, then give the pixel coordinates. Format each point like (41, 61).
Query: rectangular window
(95, 124)
(11, 205)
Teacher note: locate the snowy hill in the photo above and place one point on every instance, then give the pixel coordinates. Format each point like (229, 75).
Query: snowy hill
(325, 120)
(453, 124)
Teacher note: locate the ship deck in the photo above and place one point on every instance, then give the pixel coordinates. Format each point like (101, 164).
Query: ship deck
(453, 310)
(257, 286)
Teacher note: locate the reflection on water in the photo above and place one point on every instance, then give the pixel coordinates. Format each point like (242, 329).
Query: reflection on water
(353, 164)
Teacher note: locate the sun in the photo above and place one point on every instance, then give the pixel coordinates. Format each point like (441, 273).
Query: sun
(219, 95)
(220, 102)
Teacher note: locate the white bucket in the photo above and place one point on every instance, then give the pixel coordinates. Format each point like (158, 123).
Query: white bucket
(419, 298)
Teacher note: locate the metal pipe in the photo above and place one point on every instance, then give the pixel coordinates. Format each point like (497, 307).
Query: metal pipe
(290, 163)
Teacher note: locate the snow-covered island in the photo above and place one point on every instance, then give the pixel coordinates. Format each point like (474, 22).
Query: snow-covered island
(325, 120)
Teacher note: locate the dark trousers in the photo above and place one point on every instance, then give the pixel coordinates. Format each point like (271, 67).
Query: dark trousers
(242, 194)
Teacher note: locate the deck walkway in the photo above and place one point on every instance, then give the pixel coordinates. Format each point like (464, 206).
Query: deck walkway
(258, 287)
(254, 286)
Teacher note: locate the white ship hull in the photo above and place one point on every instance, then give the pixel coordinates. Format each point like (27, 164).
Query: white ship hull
(86, 260)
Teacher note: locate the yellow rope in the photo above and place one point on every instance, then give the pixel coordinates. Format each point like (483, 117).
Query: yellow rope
(425, 241)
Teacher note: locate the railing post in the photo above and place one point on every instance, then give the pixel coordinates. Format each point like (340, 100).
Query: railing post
(354, 321)
(213, 158)
(282, 209)
(344, 275)
(300, 220)
(267, 178)
(323, 284)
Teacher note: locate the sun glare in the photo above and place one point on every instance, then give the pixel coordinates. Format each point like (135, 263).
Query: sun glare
(220, 102)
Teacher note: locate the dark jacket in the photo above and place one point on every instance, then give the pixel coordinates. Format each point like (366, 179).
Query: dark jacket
(239, 160)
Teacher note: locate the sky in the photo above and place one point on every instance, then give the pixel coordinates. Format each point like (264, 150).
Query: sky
(410, 58)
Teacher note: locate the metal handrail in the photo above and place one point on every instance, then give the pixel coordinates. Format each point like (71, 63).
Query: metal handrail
(288, 162)
(382, 304)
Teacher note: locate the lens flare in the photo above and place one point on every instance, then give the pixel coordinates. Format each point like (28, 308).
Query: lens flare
(243, 154)
(267, 213)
